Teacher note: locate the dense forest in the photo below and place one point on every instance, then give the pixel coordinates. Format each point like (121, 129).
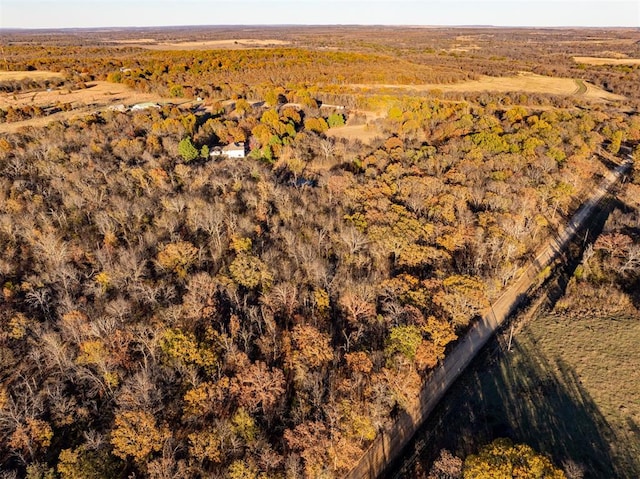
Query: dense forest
(172, 314)
(324, 58)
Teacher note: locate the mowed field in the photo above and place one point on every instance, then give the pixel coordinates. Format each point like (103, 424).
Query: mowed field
(607, 61)
(98, 95)
(587, 355)
(35, 75)
(524, 82)
(230, 44)
(364, 133)
(569, 387)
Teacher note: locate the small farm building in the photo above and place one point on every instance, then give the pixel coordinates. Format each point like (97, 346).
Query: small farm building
(233, 150)
(144, 106)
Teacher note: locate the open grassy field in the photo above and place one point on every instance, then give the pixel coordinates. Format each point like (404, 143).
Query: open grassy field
(607, 61)
(524, 82)
(98, 95)
(569, 387)
(364, 133)
(22, 75)
(240, 43)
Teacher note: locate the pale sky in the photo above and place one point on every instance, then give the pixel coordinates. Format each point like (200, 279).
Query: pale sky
(118, 13)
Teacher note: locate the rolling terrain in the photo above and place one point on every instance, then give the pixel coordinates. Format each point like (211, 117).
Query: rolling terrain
(171, 311)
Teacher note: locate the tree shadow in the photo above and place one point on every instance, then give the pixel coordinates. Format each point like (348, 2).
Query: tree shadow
(527, 398)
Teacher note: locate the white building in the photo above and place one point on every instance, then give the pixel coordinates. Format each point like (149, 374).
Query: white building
(233, 150)
(145, 106)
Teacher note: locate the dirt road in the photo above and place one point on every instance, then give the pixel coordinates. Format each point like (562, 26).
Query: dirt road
(389, 443)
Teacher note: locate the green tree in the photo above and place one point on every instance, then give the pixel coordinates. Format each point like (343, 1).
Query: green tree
(250, 271)
(187, 150)
(241, 470)
(85, 463)
(403, 340)
(463, 297)
(176, 91)
(616, 141)
(242, 106)
(335, 119)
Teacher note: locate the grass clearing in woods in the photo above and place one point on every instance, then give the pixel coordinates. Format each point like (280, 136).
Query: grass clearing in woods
(364, 133)
(524, 82)
(607, 61)
(569, 387)
(33, 75)
(230, 44)
(98, 95)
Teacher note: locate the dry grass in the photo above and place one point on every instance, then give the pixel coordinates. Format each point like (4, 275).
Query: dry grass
(97, 93)
(364, 133)
(98, 96)
(43, 121)
(464, 49)
(603, 354)
(33, 75)
(524, 82)
(242, 43)
(132, 41)
(569, 387)
(607, 61)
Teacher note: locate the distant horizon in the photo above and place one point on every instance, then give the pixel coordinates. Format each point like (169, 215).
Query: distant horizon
(95, 14)
(299, 25)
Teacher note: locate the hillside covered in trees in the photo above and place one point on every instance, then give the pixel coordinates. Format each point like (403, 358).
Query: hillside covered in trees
(172, 314)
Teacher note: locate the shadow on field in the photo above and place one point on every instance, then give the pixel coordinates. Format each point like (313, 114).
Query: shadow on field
(541, 402)
(529, 399)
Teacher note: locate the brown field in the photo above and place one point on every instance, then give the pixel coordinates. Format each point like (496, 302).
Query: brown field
(209, 44)
(607, 61)
(524, 82)
(364, 133)
(98, 95)
(34, 75)
(132, 41)
(42, 121)
(463, 49)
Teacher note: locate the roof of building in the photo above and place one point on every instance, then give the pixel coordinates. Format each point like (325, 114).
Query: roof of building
(233, 147)
(142, 106)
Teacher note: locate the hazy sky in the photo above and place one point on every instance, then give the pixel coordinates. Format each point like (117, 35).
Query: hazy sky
(104, 13)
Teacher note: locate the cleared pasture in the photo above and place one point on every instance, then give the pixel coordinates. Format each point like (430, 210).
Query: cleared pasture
(32, 75)
(98, 95)
(229, 44)
(364, 133)
(524, 82)
(607, 61)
